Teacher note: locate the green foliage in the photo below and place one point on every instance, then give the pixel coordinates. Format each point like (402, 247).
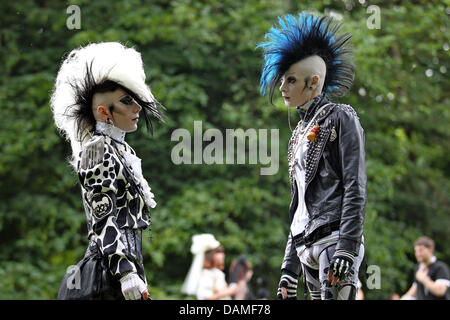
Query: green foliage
(201, 63)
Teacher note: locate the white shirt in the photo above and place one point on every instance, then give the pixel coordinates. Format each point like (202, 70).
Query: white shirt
(301, 214)
(211, 282)
(301, 217)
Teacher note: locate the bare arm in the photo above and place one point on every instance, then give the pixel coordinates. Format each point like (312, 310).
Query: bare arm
(412, 292)
(240, 290)
(436, 288)
(228, 291)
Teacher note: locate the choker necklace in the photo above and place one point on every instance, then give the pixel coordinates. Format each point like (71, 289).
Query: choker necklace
(307, 108)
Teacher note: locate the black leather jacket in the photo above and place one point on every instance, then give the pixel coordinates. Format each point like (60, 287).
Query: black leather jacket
(336, 192)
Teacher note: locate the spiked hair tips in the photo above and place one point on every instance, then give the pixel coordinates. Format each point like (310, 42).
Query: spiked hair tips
(97, 67)
(298, 37)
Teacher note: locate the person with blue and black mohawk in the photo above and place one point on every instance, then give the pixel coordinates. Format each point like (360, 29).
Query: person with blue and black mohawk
(327, 170)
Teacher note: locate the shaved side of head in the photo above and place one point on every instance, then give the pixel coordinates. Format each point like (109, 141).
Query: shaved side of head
(313, 66)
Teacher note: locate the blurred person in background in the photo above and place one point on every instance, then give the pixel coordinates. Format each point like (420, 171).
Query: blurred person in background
(432, 277)
(360, 292)
(394, 296)
(241, 272)
(206, 279)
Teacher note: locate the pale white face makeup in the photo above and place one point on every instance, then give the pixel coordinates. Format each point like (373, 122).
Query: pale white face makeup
(125, 111)
(303, 81)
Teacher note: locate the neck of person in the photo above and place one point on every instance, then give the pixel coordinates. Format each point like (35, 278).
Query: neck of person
(309, 102)
(429, 261)
(307, 109)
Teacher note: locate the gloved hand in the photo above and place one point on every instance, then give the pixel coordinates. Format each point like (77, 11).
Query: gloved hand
(133, 288)
(340, 266)
(287, 288)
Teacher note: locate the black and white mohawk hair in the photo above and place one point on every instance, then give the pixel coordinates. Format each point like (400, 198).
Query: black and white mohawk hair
(298, 37)
(97, 67)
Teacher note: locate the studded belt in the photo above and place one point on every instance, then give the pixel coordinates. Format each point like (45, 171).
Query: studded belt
(319, 233)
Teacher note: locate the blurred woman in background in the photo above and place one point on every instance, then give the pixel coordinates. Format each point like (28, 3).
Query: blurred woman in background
(241, 272)
(206, 279)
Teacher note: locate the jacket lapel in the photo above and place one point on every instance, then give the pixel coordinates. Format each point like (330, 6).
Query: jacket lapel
(315, 148)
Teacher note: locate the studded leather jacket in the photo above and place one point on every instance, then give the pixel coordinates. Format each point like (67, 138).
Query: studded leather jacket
(335, 182)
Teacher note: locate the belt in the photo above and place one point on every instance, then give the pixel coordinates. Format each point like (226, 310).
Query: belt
(319, 233)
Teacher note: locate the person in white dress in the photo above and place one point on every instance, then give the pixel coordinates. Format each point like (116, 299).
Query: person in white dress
(206, 279)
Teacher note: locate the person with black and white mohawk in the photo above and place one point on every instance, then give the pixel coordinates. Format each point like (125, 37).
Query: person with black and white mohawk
(98, 97)
(309, 59)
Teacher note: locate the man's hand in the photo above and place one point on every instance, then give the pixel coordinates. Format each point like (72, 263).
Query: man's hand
(133, 288)
(287, 288)
(422, 274)
(340, 266)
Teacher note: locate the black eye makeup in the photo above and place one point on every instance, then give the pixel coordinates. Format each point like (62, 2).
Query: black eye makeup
(127, 100)
(291, 79)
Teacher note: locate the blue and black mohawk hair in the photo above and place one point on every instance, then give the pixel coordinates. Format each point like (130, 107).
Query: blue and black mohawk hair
(298, 37)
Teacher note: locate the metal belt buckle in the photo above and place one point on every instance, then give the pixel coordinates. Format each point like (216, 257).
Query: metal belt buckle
(298, 241)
